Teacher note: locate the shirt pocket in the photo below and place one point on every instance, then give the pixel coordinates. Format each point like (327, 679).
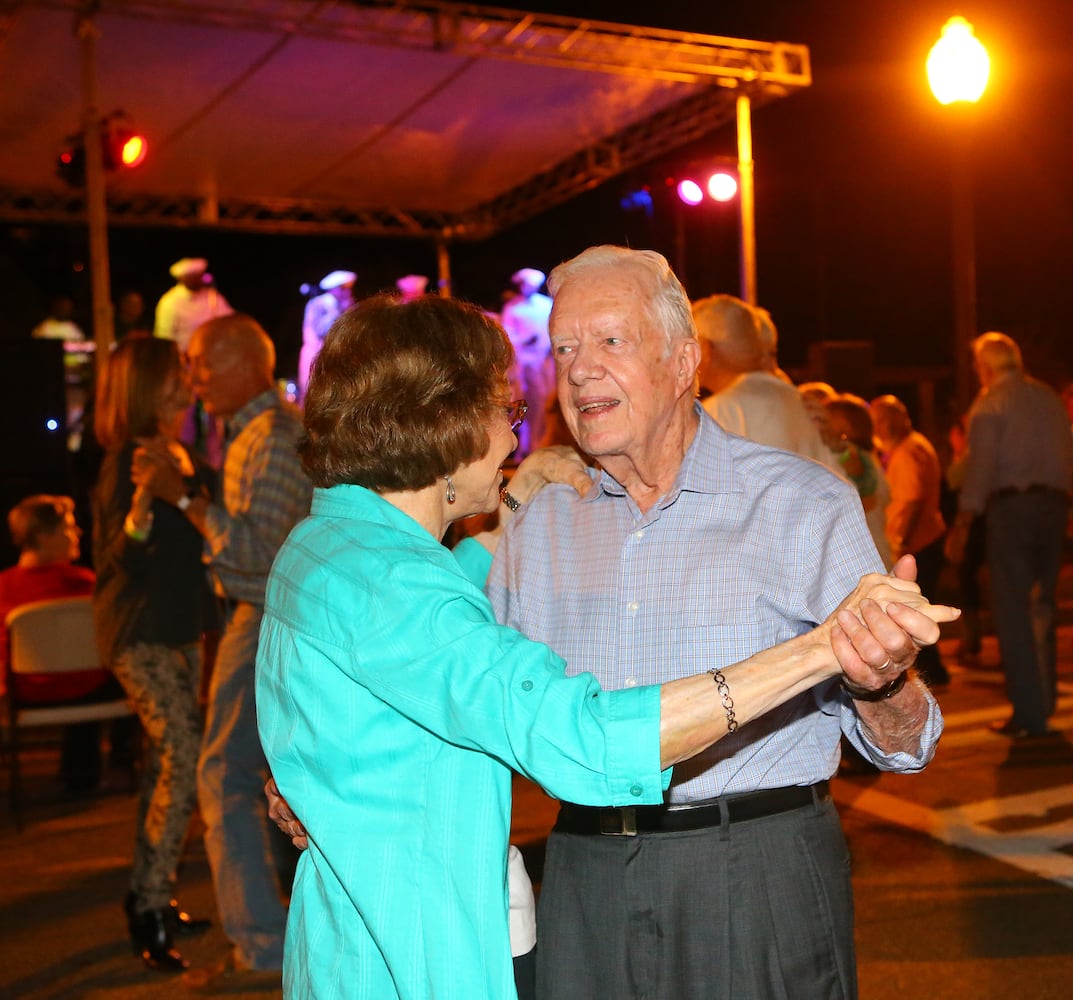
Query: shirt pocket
(716, 631)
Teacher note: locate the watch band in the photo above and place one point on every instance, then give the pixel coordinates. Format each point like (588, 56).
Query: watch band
(879, 694)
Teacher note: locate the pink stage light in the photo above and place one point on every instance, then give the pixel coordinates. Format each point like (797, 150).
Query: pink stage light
(690, 192)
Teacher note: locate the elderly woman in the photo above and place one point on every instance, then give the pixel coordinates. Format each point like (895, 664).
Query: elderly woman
(392, 707)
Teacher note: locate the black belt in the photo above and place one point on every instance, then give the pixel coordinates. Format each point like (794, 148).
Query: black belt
(628, 821)
(1009, 491)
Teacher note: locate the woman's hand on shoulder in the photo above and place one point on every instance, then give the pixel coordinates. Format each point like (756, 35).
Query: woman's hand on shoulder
(554, 464)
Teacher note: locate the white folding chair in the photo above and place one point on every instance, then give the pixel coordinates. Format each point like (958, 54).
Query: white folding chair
(51, 637)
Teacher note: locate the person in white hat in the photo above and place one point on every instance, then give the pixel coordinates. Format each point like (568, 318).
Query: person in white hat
(190, 302)
(336, 296)
(525, 318)
(411, 286)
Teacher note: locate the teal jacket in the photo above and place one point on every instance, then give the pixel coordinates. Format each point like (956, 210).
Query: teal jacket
(392, 709)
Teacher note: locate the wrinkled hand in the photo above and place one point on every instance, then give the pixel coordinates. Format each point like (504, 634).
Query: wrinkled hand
(555, 464)
(878, 629)
(280, 814)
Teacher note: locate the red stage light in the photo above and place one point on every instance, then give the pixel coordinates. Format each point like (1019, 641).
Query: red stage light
(133, 150)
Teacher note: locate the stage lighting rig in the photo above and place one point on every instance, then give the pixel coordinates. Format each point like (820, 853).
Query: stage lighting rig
(122, 148)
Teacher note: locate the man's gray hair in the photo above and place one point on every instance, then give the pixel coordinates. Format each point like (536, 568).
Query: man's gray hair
(997, 352)
(733, 329)
(668, 308)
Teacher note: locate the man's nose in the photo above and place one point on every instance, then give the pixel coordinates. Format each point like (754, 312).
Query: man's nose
(583, 365)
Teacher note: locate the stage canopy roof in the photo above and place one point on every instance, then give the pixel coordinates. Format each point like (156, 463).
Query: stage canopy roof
(439, 120)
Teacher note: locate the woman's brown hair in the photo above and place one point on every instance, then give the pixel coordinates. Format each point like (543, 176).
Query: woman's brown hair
(401, 394)
(129, 389)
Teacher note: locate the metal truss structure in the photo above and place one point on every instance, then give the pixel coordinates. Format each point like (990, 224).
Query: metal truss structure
(719, 69)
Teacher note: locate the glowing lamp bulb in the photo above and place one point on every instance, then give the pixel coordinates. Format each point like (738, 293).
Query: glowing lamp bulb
(958, 64)
(722, 187)
(689, 191)
(134, 150)
(52, 424)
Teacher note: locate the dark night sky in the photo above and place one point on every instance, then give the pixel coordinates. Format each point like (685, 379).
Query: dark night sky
(853, 195)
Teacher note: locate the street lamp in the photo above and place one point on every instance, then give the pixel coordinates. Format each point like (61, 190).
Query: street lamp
(958, 64)
(958, 68)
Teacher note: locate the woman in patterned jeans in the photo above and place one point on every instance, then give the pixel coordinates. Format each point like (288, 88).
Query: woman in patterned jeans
(150, 604)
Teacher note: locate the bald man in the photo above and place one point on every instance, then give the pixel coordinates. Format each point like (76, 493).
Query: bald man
(265, 493)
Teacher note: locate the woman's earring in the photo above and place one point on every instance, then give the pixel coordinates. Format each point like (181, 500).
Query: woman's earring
(450, 490)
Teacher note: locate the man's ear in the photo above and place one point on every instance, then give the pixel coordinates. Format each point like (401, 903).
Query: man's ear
(687, 355)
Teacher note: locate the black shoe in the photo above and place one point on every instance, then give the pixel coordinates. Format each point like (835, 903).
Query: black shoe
(151, 937)
(184, 925)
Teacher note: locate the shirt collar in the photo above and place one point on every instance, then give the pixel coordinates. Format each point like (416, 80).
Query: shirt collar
(266, 400)
(359, 503)
(707, 467)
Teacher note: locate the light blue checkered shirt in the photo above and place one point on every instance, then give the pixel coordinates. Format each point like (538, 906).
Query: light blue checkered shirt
(750, 547)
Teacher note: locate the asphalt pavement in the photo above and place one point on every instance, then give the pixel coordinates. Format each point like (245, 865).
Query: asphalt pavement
(963, 873)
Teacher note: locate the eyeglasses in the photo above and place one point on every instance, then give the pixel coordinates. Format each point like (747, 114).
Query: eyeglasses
(516, 413)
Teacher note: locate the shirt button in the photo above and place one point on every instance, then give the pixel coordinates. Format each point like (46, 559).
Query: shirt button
(639, 533)
(630, 682)
(527, 685)
(633, 606)
(636, 791)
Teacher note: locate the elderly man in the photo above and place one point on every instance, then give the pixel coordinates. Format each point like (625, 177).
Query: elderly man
(191, 301)
(265, 493)
(914, 521)
(695, 546)
(738, 368)
(1019, 470)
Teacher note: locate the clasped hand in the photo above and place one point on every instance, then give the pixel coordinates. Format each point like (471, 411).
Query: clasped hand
(878, 630)
(159, 467)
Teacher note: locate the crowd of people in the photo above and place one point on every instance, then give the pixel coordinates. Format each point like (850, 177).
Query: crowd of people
(1014, 452)
(673, 624)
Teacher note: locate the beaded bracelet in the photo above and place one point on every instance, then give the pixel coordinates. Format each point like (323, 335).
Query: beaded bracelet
(724, 694)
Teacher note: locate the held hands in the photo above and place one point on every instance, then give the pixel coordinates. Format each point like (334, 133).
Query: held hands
(878, 629)
(158, 468)
(280, 814)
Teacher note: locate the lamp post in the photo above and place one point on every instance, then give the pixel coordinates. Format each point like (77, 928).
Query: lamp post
(958, 68)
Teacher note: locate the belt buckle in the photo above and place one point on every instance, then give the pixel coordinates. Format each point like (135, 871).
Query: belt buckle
(621, 822)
